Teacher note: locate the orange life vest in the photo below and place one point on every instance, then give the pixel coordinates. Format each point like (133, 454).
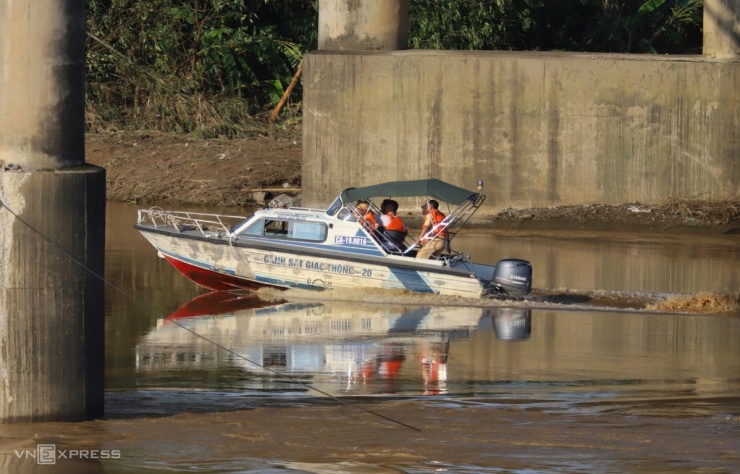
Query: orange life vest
(367, 220)
(370, 219)
(395, 224)
(437, 218)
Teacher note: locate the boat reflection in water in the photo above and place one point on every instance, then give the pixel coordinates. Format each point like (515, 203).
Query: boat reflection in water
(512, 324)
(339, 346)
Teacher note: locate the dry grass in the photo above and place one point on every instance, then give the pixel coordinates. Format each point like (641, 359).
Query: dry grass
(720, 211)
(196, 115)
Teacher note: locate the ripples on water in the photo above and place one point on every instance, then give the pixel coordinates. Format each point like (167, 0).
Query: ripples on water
(563, 299)
(705, 302)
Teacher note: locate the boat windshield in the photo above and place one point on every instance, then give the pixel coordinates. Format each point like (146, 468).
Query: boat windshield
(236, 227)
(335, 206)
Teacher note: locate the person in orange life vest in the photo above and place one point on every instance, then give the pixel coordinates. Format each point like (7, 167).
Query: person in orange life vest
(395, 229)
(366, 218)
(432, 221)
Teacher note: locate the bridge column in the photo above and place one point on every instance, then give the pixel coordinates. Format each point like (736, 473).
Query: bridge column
(52, 220)
(721, 28)
(363, 24)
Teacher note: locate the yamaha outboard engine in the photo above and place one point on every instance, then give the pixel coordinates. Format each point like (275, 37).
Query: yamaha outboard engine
(512, 276)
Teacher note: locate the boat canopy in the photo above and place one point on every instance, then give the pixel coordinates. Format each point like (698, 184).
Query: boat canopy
(432, 188)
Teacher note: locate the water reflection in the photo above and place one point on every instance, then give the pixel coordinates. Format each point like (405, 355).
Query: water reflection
(231, 342)
(512, 324)
(363, 349)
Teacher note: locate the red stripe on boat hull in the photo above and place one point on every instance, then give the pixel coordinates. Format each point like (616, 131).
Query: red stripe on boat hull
(213, 280)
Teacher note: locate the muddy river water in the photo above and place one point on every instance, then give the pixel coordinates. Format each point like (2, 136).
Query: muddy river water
(581, 378)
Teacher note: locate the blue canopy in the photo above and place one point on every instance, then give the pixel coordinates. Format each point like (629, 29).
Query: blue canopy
(432, 188)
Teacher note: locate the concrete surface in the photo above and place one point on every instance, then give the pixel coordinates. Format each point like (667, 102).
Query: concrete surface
(363, 24)
(539, 129)
(721, 28)
(51, 308)
(52, 220)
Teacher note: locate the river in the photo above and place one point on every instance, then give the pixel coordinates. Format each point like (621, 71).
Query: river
(580, 379)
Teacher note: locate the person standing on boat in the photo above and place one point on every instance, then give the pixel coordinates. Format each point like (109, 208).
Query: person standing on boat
(434, 242)
(395, 229)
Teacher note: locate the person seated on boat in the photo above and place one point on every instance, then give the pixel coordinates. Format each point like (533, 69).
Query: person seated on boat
(438, 240)
(276, 228)
(395, 229)
(364, 216)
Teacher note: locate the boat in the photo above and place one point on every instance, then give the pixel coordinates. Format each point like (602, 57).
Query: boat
(336, 247)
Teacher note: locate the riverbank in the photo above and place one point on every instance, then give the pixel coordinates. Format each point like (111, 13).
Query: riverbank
(152, 167)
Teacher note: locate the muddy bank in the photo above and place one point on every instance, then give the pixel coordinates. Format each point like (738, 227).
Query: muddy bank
(175, 169)
(164, 168)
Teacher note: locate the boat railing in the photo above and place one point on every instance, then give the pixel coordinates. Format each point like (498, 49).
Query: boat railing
(389, 244)
(457, 219)
(182, 221)
(453, 222)
(291, 208)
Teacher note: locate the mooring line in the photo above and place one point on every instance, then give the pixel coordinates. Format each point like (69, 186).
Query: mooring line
(214, 343)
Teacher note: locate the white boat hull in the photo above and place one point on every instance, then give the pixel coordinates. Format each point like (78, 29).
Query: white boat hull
(221, 265)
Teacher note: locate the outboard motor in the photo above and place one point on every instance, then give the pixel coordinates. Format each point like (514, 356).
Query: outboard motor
(512, 276)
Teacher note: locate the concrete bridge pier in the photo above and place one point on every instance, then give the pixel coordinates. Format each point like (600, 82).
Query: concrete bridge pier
(721, 28)
(52, 220)
(380, 25)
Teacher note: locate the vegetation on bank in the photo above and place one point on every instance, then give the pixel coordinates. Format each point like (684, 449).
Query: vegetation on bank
(614, 26)
(216, 68)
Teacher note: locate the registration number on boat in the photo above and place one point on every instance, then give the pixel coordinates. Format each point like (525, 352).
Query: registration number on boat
(313, 265)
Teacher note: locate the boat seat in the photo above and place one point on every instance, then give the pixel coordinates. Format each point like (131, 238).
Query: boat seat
(398, 238)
